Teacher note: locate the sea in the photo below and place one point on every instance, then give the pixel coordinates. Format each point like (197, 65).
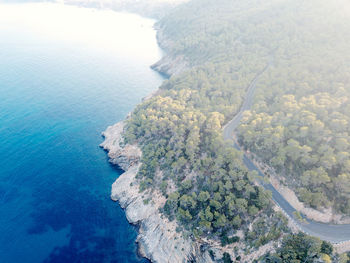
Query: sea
(66, 74)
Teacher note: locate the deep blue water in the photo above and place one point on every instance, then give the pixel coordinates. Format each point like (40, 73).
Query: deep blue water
(56, 97)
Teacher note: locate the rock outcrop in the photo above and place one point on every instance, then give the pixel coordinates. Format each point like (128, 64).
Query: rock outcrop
(169, 64)
(122, 155)
(158, 239)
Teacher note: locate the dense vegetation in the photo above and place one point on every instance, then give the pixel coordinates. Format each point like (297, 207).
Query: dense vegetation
(301, 248)
(299, 123)
(308, 141)
(208, 188)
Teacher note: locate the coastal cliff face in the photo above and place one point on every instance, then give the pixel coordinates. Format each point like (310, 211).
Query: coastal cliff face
(169, 64)
(157, 237)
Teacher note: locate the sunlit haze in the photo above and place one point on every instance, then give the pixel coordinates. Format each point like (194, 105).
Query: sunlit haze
(100, 29)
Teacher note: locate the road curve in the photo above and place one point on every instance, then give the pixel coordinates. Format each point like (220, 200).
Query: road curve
(328, 232)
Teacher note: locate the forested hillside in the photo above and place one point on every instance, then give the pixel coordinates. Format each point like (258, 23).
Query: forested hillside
(299, 123)
(208, 188)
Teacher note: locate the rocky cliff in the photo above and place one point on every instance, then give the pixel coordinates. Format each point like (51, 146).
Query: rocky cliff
(169, 64)
(157, 238)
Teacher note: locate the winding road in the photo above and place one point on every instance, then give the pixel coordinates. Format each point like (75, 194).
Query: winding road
(329, 232)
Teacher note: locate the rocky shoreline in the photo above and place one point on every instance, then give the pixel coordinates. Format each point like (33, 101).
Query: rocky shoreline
(157, 238)
(169, 64)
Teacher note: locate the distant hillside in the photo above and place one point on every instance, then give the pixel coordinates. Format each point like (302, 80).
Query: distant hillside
(149, 8)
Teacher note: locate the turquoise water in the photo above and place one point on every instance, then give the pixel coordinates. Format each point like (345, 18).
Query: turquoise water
(61, 84)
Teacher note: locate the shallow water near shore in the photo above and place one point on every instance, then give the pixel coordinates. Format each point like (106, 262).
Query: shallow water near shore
(62, 82)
